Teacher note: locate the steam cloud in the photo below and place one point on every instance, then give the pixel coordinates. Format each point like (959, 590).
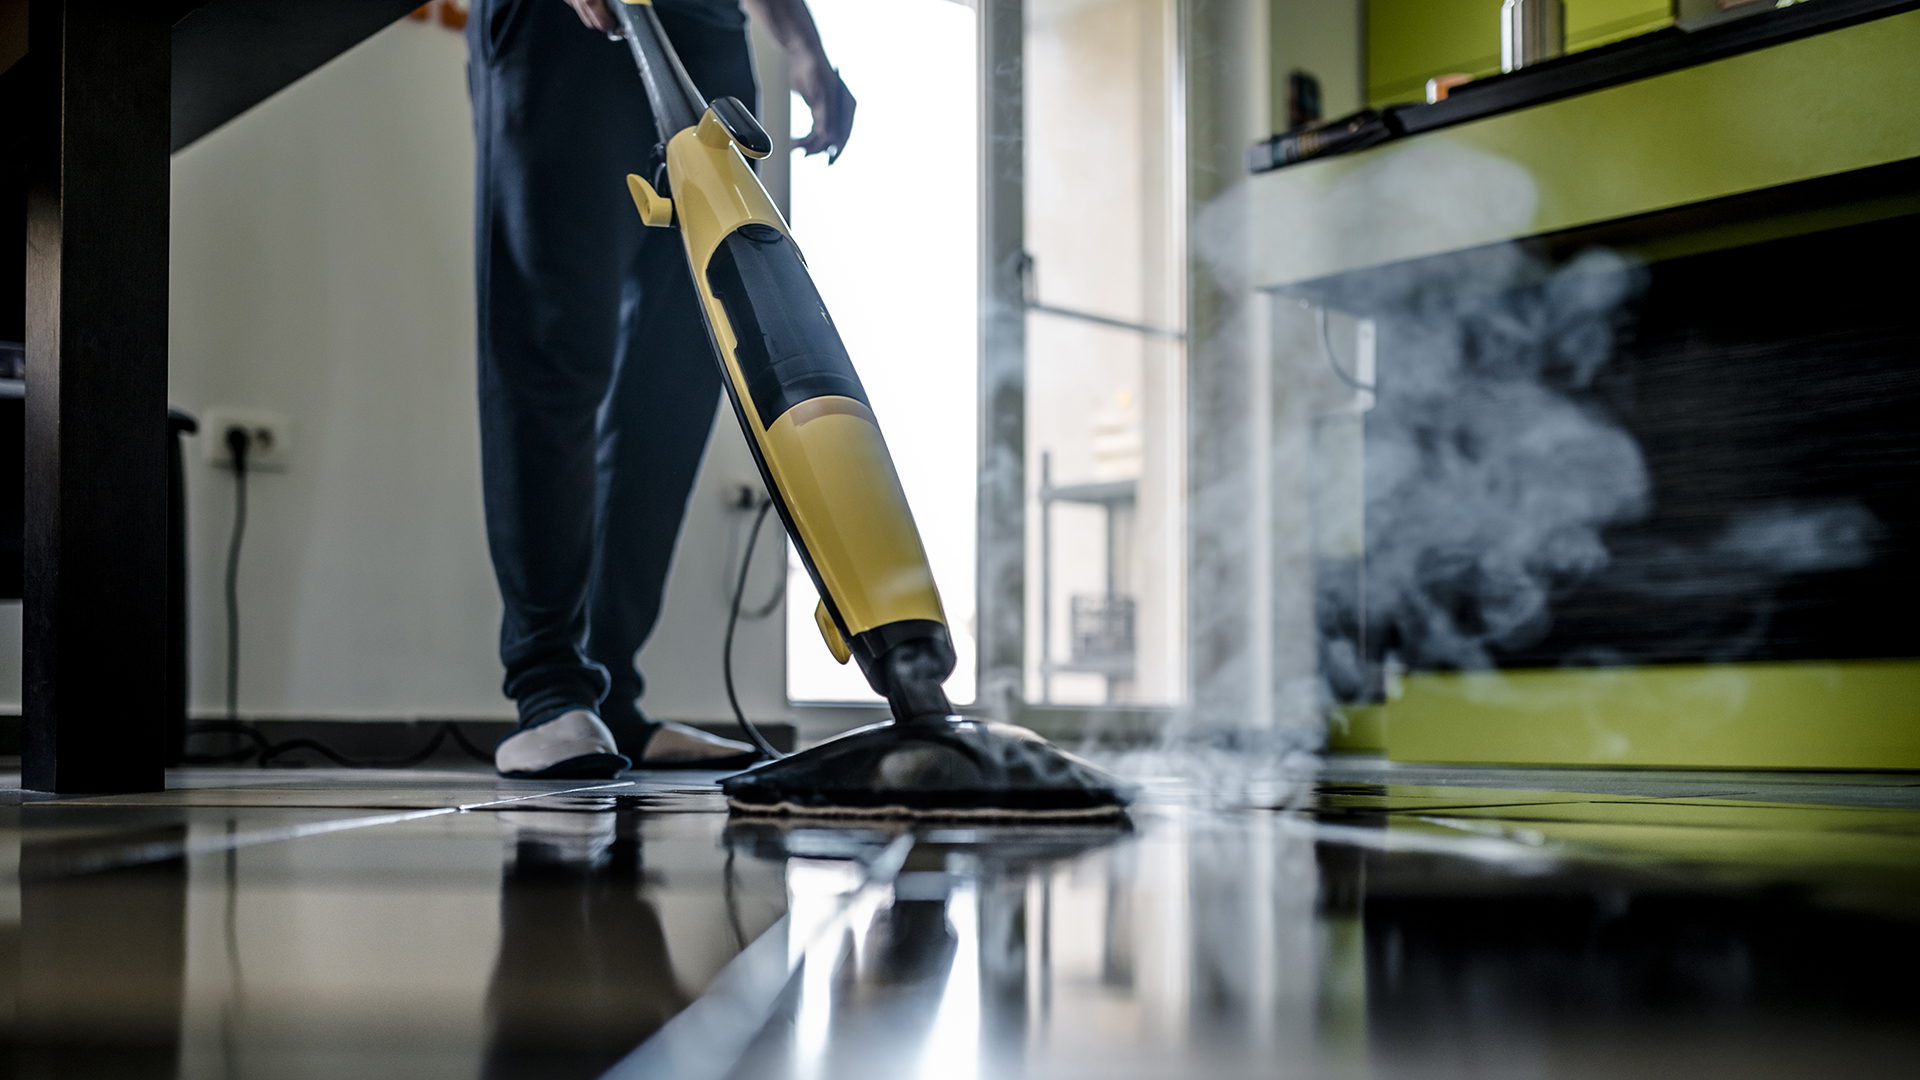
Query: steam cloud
(1490, 483)
(1491, 477)
(1757, 549)
(1487, 484)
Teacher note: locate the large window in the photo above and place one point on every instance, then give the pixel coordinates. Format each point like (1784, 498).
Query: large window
(1105, 355)
(890, 234)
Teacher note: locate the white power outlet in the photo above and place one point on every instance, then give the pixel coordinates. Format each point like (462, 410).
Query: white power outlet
(269, 437)
(743, 494)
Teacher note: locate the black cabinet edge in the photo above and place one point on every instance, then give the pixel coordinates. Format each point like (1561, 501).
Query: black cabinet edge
(1640, 58)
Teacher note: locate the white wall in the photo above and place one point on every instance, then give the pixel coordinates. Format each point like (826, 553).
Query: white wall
(323, 268)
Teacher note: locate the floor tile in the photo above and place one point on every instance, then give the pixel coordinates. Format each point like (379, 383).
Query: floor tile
(1370, 920)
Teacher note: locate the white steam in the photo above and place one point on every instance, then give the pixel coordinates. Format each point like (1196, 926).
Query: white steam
(1487, 485)
(1493, 478)
(1756, 550)
(1491, 481)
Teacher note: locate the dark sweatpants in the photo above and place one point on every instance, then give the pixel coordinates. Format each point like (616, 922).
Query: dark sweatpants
(597, 379)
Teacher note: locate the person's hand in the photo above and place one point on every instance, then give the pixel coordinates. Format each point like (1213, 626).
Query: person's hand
(812, 76)
(595, 14)
(830, 102)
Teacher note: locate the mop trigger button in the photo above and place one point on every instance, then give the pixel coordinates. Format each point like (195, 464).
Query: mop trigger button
(655, 209)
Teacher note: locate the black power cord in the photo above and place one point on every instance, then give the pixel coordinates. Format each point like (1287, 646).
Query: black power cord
(237, 445)
(263, 748)
(733, 622)
(267, 751)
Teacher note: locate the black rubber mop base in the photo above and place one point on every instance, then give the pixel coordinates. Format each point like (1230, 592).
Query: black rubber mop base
(953, 769)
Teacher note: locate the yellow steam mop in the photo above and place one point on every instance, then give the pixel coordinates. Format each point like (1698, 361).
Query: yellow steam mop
(814, 436)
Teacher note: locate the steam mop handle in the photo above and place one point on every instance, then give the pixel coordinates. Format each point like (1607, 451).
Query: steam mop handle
(677, 104)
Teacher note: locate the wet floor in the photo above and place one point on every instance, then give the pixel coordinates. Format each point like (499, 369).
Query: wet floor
(1361, 921)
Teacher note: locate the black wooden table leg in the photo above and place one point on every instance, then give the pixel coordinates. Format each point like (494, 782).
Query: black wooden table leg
(96, 413)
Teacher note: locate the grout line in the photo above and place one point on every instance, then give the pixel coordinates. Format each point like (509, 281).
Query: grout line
(163, 850)
(465, 807)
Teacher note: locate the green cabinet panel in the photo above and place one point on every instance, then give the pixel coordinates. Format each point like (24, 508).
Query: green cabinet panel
(1411, 41)
(1358, 729)
(1861, 714)
(1822, 105)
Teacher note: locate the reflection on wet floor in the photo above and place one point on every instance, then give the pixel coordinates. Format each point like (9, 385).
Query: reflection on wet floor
(231, 931)
(1369, 920)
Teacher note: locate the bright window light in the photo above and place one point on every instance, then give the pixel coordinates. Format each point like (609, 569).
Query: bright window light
(889, 233)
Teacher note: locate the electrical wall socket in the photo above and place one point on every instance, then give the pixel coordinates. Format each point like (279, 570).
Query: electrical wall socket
(269, 437)
(743, 494)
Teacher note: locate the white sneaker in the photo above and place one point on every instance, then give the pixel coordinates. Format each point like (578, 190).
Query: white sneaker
(575, 745)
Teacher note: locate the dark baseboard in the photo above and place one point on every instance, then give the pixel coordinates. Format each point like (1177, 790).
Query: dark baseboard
(388, 740)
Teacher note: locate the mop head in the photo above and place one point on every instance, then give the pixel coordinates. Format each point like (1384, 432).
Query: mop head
(956, 769)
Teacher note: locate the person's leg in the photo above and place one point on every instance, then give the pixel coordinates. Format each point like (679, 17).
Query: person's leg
(654, 428)
(559, 119)
(654, 432)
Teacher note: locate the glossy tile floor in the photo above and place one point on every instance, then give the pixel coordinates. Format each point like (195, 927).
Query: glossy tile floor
(1357, 920)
